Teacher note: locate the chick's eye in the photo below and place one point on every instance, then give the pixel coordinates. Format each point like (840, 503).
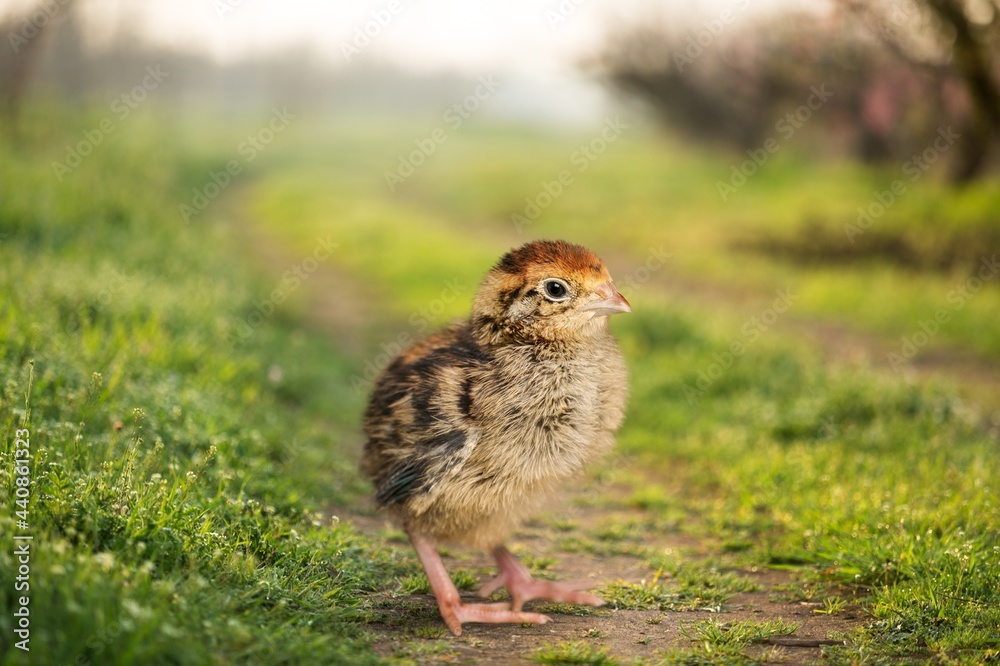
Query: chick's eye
(556, 290)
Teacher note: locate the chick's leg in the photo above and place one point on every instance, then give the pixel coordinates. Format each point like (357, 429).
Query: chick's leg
(522, 587)
(453, 611)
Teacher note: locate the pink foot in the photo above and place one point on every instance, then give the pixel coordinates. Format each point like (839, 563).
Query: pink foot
(522, 587)
(453, 611)
(455, 614)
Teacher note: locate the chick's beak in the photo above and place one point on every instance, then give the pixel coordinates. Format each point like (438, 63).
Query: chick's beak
(609, 301)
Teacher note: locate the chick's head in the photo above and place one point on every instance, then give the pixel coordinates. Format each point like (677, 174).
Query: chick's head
(546, 291)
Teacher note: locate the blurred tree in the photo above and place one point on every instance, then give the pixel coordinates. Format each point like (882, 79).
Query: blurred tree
(894, 84)
(964, 35)
(25, 34)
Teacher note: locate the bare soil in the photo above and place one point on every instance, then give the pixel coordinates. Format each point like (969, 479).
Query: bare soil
(406, 622)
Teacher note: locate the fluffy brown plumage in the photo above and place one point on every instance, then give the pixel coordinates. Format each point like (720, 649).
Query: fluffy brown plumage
(470, 430)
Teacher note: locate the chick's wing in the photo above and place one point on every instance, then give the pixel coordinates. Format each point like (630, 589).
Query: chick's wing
(421, 423)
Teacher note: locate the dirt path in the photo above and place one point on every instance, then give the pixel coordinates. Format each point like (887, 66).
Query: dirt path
(409, 627)
(335, 302)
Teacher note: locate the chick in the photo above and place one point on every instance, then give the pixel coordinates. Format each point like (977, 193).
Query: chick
(471, 430)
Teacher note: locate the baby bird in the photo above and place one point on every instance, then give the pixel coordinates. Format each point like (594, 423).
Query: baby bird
(470, 430)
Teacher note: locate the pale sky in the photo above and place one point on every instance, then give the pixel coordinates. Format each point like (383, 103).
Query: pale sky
(531, 38)
(535, 46)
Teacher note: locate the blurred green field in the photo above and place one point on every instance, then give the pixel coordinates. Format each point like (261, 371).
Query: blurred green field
(178, 479)
(784, 228)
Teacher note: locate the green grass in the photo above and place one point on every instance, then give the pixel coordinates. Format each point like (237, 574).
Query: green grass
(178, 482)
(686, 585)
(424, 651)
(831, 606)
(575, 653)
(738, 634)
(716, 642)
(417, 583)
